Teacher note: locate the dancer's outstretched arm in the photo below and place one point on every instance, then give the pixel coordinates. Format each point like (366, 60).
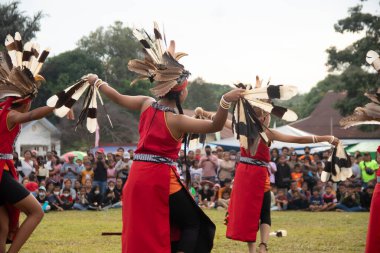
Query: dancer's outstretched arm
(136, 103)
(15, 117)
(277, 136)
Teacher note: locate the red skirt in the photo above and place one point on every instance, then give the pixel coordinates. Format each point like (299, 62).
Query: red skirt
(373, 234)
(246, 201)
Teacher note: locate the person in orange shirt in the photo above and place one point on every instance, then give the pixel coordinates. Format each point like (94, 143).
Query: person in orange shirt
(297, 175)
(307, 154)
(87, 173)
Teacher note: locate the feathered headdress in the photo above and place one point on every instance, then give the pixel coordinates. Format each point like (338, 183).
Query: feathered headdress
(246, 125)
(19, 68)
(160, 65)
(370, 113)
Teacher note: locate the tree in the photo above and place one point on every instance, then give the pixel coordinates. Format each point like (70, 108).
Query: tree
(114, 47)
(13, 20)
(356, 77)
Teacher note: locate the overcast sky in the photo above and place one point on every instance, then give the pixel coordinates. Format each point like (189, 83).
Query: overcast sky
(227, 41)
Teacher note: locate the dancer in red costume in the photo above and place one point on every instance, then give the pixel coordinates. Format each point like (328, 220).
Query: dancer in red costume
(159, 215)
(249, 208)
(19, 83)
(370, 114)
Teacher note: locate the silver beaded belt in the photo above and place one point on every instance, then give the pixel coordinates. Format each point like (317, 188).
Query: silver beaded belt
(6, 156)
(253, 161)
(154, 159)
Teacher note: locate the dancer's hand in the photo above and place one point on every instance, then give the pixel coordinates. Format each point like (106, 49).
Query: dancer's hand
(92, 78)
(198, 111)
(234, 95)
(335, 142)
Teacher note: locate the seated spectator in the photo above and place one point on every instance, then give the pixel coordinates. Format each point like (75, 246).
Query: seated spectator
(95, 199)
(81, 202)
(281, 200)
(55, 199)
(297, 175)
(111, 170)
(296, 198)
(49, 188)
(122, 168)
(66, 198)
(215, 198)
(119, 186)
(366, 197)
(87, 173)
(341, 192)
(305, 190)
(350, 202)
(316, 201)
(77, 186)
(293, 160)
(273, 194)
(112, 197)
(227, 187)
(31, 184)
(206, 194)
(224, 201)
(311, 175)
(329, 198)
(88, 186)
(42, 199)
(68, 185)
(195, 171)
(195, 193)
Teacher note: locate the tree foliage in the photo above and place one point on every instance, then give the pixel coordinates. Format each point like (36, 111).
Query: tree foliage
(12, 20)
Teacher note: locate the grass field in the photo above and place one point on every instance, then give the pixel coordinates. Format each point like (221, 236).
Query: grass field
(333, 232)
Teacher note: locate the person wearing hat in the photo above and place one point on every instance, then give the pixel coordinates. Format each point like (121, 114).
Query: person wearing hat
(42, 199)
(153, 183)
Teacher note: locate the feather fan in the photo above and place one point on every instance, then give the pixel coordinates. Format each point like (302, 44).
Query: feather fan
(338, 166)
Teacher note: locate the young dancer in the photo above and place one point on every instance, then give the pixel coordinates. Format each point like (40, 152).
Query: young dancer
(252, 182)
(19, 83)
(157, 208)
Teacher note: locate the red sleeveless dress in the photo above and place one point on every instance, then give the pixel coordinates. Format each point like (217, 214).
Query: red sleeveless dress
(247, 197)
(8, 139)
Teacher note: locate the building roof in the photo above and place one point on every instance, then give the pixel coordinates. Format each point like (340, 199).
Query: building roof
(44, 122)
(324, 120)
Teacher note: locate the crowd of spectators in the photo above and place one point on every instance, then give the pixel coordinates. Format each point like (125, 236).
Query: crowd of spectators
(96, 181)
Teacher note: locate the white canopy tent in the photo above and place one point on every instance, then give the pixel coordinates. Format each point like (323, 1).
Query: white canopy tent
(232, 143)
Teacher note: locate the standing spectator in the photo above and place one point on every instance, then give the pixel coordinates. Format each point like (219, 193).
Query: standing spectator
(111, 160)
(55, 172)
(91, 157)
(16, 160)
(70, 170)
(283, 176)
(79, 162)
(316, 201)
(49, 158)
(368, 168)
(219, 152)
(226, 168)
(209, 163)
(100, 171)
(292, 160)
(311, 175)
(356, 174)
(87, 173)
(297, 175)
(122, 168)
(196, 172)
(198, 154)
(111, 173)
(274, 155)
(307, 154)
(42, 171)
(27, 166)
(320, 167)
(272, 169)
(285, 152)
(190, 157)
(121, 151)
(131, 154)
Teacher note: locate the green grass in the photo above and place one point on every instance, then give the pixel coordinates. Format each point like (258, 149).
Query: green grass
(75, 231)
